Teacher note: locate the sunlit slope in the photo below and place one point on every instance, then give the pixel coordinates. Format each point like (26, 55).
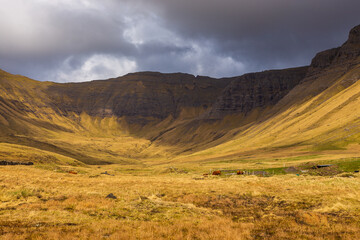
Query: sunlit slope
(101, 121)
(16, 152)
(328, 121)
(25, 108)
(31, 122)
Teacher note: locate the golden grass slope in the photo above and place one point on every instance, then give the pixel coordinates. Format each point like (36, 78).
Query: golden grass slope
(46, 202)
(27, 118)
(329, 120)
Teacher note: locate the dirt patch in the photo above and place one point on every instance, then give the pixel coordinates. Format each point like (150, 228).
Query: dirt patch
(314, 169)
(292, 169)
(246, 207)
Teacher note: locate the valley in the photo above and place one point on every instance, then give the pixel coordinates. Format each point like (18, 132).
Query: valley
(153, 140)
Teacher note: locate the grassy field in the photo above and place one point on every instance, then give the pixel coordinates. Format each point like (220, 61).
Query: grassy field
(47, 202)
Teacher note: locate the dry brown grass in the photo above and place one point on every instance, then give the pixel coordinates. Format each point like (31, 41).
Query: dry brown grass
(46, 203)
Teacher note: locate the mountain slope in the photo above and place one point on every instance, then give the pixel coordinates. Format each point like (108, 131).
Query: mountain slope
(152, 117)
(137, 109)
(319, 113)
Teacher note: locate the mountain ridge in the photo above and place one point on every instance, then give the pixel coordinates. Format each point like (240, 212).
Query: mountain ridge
(156, 115)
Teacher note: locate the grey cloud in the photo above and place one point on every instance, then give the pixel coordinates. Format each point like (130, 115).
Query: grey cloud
(263, 32)
(86, 39)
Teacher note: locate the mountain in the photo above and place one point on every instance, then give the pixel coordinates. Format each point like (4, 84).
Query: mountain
(150, 117)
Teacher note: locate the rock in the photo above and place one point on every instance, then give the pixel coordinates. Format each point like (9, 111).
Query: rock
(199, 178)
(106, 173)
(5, 163)
(112, 196)
(94, 176)
(143, 198)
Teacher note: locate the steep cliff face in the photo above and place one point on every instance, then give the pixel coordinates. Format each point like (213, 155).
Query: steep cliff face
(143, 97)
(256, 90)
(138, 96)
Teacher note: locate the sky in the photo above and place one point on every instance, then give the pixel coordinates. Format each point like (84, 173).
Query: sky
(83, 40)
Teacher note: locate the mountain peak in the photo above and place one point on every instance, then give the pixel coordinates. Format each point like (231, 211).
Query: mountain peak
(348, 52)
(354, 35)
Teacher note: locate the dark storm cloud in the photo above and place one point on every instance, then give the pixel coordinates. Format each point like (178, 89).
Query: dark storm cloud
(265, 33)
(65, 40)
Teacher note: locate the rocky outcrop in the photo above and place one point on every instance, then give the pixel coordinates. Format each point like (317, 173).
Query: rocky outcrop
(256, 90)
(350, 50)
(347, 55)
(354, 36)
(323, 60)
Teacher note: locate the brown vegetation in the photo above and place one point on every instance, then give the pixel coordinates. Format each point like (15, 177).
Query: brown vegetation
(38, 203)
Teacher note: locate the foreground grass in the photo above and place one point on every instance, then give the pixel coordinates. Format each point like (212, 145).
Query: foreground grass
(50, 203)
